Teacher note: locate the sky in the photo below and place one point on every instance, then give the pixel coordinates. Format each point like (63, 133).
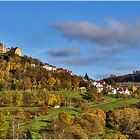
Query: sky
(97, 38)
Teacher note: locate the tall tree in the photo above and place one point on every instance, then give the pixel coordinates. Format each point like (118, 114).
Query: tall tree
(86, 76)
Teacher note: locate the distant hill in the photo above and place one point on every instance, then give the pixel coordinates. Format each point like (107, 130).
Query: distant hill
(134, 77)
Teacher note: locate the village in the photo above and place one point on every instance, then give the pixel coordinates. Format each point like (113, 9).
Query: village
(120, 88)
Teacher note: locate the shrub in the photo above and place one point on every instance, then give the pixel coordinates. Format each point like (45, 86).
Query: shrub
(120, 136)
(75, 132)
(91, 123)
(99, 112)
(43, 110)
(124, 120)
(65, 118)
(53, 100)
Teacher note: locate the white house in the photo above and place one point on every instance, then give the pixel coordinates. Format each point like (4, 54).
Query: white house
(32, 65)
(112, 91)
(99, 87)
(127, 92)
(57, 106)
(94, 83)
(123, 91)
(49, 67)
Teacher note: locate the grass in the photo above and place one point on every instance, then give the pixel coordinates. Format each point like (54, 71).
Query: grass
(54, 113)
(116, 103)
(15, 109)
(66, 94)
(9, 109)
(35, 126)
(42, 121)
(36, 135)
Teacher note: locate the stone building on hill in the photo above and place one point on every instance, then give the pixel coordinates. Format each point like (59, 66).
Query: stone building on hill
(16, 51)
(4, 49)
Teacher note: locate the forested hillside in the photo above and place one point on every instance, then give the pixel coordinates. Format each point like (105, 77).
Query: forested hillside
(17, 73)
(135, 77)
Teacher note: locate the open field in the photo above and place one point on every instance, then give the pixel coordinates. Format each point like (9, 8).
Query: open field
(15, 109)
(116, 103)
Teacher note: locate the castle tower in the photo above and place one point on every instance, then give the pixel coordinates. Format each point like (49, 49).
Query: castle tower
(2, 48)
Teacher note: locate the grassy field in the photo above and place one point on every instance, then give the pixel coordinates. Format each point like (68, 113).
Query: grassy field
(15, 109)
(66, 94)
(110, 104)
(116, 103)
(40, 122)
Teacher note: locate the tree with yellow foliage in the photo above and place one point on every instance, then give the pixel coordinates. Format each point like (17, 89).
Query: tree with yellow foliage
(66, 118)
(53, 100)
(134, 88)
(51, 82)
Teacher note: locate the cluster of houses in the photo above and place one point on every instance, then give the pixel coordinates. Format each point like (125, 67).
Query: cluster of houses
(110, 90)
(65, 71)
(49, 67)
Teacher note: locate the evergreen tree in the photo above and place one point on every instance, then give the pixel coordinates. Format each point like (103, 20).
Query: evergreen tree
(28, 134)
(86, 77)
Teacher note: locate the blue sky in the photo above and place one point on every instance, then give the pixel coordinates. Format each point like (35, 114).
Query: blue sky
(98, 38)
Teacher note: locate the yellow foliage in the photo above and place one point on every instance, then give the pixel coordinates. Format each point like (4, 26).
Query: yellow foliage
(66, 118)
(134, 88)
(53, 100)
(99, 112)
(51, 81)
(120, 136)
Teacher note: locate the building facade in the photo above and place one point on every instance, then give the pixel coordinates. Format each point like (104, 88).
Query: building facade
(2, 48)
(16, 51)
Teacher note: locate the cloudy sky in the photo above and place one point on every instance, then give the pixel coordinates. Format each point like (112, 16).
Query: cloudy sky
(98, 38)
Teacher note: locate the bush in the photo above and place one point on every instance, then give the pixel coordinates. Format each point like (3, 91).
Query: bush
(91, 123)
(53, 100)
(43, 110)
(125, 120)
(75, 132)
(65, 118)
(59, 126)
(99, 112)
(120, 136)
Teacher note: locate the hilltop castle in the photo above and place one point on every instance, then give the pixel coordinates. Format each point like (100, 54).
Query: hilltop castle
(4, 49)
